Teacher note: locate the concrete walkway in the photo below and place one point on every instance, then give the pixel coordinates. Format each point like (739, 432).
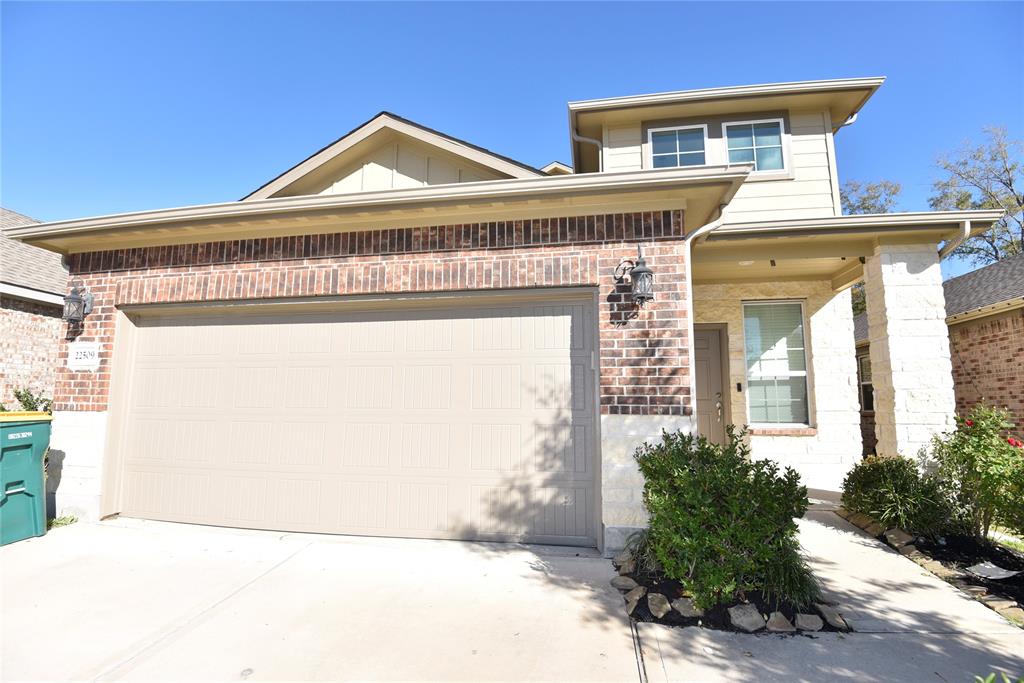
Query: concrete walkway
(911, 626)
(142, 601)
(146, 601)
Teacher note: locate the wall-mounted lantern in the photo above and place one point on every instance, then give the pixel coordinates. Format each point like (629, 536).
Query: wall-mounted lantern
(78, 303)
(641, 278)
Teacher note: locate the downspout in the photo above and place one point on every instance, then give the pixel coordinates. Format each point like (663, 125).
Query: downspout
(591, 141)
(950, 245)
(691, 350)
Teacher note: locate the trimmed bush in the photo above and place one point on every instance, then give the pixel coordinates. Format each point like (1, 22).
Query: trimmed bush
(979, 470)
(721, 524)
(892, 491)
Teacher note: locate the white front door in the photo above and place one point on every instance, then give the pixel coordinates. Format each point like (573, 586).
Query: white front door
(707, 343)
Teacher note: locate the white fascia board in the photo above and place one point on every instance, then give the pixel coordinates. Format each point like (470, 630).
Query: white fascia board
(919, 220)
(31, 294)
(768, 89)
(491, 190)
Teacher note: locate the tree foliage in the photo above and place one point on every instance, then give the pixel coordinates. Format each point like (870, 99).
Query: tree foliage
(987, 176)
(877, 197)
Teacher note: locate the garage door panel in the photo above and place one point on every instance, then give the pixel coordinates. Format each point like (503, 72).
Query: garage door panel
(439, 423)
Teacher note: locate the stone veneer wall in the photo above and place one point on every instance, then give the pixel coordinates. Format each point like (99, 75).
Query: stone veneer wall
(988, 362)
(825, 451)
(29, 344)
(643, 357)
(909, 342)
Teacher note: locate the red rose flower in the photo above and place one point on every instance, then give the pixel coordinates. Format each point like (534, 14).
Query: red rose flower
(969, 423)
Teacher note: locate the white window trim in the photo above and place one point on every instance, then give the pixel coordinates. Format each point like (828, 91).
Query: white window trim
(805, 373)
(861, 382)
(650, 142)
(783, 136)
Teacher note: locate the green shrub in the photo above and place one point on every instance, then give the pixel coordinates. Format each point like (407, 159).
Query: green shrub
(980, 472)
(721, 524)
(31, 401)
(893, 491)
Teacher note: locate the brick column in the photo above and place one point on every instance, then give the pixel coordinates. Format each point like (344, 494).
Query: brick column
(910, 362)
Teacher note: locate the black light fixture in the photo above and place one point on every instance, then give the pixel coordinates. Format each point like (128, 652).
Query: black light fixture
(78, 303)
(641, 278)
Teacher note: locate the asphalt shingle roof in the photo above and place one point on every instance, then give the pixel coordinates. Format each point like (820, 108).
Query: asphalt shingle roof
(27, 266)
(993, 284)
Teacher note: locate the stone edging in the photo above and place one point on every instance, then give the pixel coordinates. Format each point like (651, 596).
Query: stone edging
(901, 542)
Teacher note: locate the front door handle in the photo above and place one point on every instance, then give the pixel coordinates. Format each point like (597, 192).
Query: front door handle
(718, 405)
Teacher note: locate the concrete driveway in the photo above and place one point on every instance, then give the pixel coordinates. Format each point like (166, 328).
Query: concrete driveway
(131, 600)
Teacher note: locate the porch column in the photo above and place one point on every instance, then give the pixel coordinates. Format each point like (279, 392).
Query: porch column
(910, 361)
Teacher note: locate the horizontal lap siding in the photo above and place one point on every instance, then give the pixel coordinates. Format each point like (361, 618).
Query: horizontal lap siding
(644, 366)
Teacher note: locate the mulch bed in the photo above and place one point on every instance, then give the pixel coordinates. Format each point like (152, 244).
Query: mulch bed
(716, 618)
(961, 552)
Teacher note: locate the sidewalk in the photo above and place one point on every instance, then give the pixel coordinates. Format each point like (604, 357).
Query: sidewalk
(910, 625)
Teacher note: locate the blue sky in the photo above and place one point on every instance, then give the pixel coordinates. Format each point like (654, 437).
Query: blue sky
(127, 106)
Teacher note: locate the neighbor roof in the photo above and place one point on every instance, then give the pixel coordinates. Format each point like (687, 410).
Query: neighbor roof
(994, 284)
(26, 267)
(387, 120)
(1000, 283)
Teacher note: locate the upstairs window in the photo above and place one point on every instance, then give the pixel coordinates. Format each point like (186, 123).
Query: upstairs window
(776, 362)
(673, 147)
(756, 141)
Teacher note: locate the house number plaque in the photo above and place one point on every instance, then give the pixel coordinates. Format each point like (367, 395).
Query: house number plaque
(84, 356)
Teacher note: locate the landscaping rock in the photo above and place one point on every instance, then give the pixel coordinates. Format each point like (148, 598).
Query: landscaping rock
(658, 604)
(1014, 614)
(875, 529)
(746, 618)
(633, 598)
(686, 608)
(997, 603)
(976, 591)
(809, 622)
(898, 538)
(778, 623)
(843, 512)
(627, 567)
(908, 549)
(860, 520)
(624, 583)
(832, 616)
(622, 558)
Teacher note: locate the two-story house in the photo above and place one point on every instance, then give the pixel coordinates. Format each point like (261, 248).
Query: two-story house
(409, 335)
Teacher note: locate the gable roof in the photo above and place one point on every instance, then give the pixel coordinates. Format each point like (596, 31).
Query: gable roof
(999, 283)
(24, 267)
(386, 120)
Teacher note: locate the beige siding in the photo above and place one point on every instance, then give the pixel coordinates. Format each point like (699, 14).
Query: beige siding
(622, 148)
(402, 163)
(809, 192)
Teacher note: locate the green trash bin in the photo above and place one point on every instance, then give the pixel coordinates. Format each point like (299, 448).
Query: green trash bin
(24, 438)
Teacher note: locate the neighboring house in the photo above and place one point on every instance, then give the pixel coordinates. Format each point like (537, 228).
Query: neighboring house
(409, 335)
(32, 286)
(985, 315)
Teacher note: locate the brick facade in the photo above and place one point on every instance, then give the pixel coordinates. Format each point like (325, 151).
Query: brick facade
(29, 344)
(988, 362)
(644, 367)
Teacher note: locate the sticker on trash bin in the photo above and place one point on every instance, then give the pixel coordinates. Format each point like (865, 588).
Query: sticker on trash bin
(18, 435)
(83, 355)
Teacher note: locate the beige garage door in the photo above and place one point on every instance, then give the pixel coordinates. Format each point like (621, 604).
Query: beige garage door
(455, 422)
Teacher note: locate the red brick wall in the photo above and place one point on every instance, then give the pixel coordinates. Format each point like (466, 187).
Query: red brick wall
(29, 341)
(988, 362)
(644, 367)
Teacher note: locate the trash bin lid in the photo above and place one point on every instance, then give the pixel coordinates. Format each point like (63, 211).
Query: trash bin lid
(25, 416)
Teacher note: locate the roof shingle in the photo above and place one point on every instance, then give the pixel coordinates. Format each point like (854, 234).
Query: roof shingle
(28, 266)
